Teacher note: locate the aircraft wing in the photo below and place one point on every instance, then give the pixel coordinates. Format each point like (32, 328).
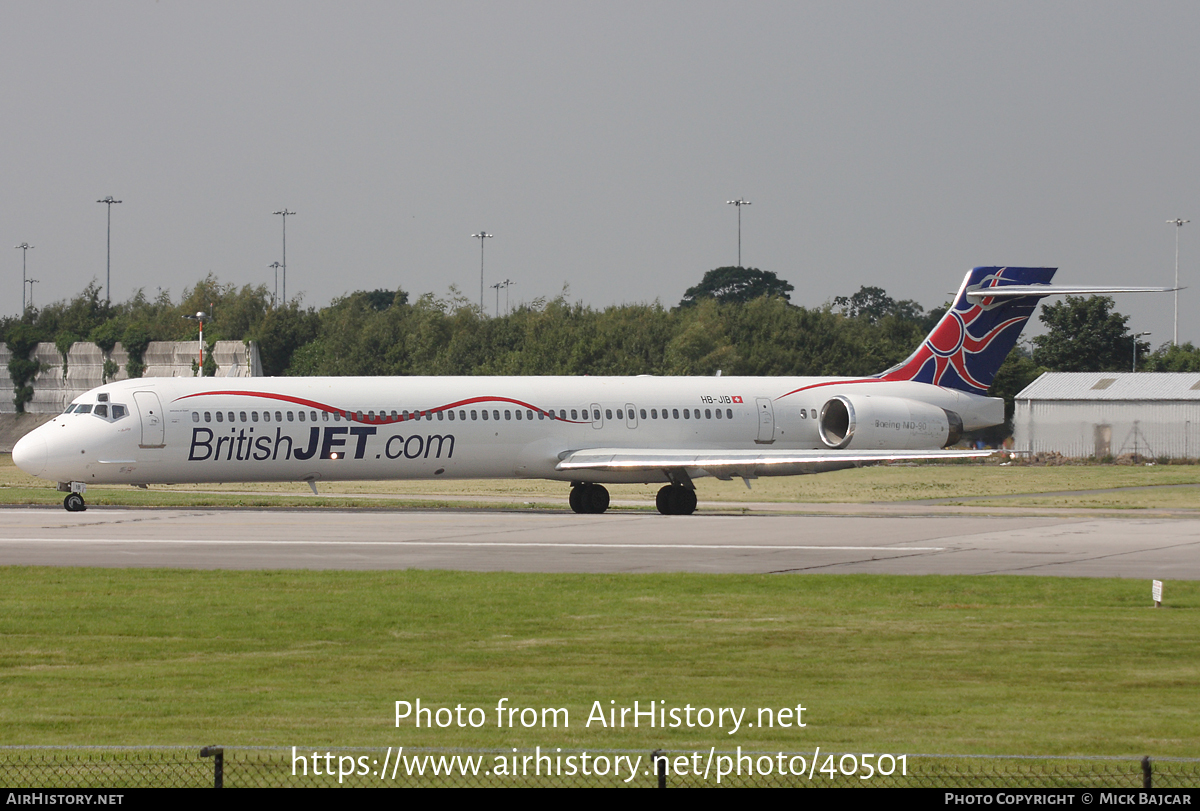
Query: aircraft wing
(724, 464)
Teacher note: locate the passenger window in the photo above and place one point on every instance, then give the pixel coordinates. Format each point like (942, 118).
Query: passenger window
(278, 416)
(195, 416)
(220, 417)
(462, 415)
(529, 414)
(207, 416)
(450, 414)
(718, 413)
(474, 415)
(495, 413)
(485, 416)
(596, 414)
(643, 411)
(729, 413)
(620, 414)
(574, 414)
(507, 415)
(675, 413)
(242, 416)
(442, 415)
(231, 416)
(291, 416)
(707, 414)
(518, 413)
(253, 416)
(685, 414)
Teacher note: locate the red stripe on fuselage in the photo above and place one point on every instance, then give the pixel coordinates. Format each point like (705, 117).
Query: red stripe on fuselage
(383, 419)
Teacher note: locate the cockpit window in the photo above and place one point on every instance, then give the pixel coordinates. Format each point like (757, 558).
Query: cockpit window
(84, 408)
(69, 409)
(101, 411)
(118, 411)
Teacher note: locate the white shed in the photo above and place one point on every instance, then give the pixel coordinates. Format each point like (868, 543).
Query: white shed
(1080, 414)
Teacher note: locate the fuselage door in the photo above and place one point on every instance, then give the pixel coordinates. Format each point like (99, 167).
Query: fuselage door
(766, 421)
(152, 418)
(630, 416)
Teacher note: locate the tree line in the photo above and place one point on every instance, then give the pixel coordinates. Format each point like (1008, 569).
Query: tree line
(737, 321)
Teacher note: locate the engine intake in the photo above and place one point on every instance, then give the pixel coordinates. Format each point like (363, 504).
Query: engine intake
(886, 423)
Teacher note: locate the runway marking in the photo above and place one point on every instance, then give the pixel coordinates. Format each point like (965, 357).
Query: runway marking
(214, 542)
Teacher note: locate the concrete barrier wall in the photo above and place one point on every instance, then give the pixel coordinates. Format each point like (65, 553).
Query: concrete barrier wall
(54, 387)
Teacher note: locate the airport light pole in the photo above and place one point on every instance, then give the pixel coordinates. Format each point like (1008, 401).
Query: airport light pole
(24, 249)
(199, 317)
(507, 284)
(275, 295)
(481, 236)
(109, 201)
(1178, 223)
(285, 214)
(1135, 339)
(739, 203)
(31, 283)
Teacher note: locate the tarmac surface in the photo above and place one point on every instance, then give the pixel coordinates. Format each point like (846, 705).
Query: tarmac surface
(936, 541)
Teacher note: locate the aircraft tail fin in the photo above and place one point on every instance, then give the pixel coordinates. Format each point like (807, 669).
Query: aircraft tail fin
(966, 348)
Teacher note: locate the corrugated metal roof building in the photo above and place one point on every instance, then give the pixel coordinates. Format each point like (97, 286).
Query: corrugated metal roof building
(1079, 414)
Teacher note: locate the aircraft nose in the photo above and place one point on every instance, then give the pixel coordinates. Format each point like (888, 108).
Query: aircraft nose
(29, 453)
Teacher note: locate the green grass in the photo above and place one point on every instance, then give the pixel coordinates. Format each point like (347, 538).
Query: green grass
(881, 664)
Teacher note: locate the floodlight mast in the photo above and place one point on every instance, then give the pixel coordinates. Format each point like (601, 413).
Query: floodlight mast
(481, 236)
(1135, 339)
(24, 248)
(109, 201)
(285, 214)
(275, 295)
(1178, 223)
(199, 317)
(739, 203)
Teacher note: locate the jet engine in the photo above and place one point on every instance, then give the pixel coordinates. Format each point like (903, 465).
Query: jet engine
(886, 423)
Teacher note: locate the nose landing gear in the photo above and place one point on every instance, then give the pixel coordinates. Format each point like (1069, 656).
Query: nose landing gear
(74, 502)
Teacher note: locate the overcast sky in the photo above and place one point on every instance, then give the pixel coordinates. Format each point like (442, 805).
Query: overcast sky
(894, 144)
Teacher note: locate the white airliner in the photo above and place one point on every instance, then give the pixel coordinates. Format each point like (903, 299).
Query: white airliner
(588, 431)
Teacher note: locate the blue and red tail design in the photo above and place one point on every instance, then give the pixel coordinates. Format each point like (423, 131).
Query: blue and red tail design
(966, 348)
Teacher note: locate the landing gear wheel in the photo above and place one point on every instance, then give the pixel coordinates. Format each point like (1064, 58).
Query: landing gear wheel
(74, 503)
(675, 499)
(589, 498)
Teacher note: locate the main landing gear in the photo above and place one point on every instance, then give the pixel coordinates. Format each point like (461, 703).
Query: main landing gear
(588, 498)
(675, 499)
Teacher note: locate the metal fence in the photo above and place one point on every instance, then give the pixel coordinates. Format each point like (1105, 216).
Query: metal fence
(278, 767)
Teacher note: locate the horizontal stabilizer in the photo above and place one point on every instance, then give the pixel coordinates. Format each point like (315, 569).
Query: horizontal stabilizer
(1016, 290)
